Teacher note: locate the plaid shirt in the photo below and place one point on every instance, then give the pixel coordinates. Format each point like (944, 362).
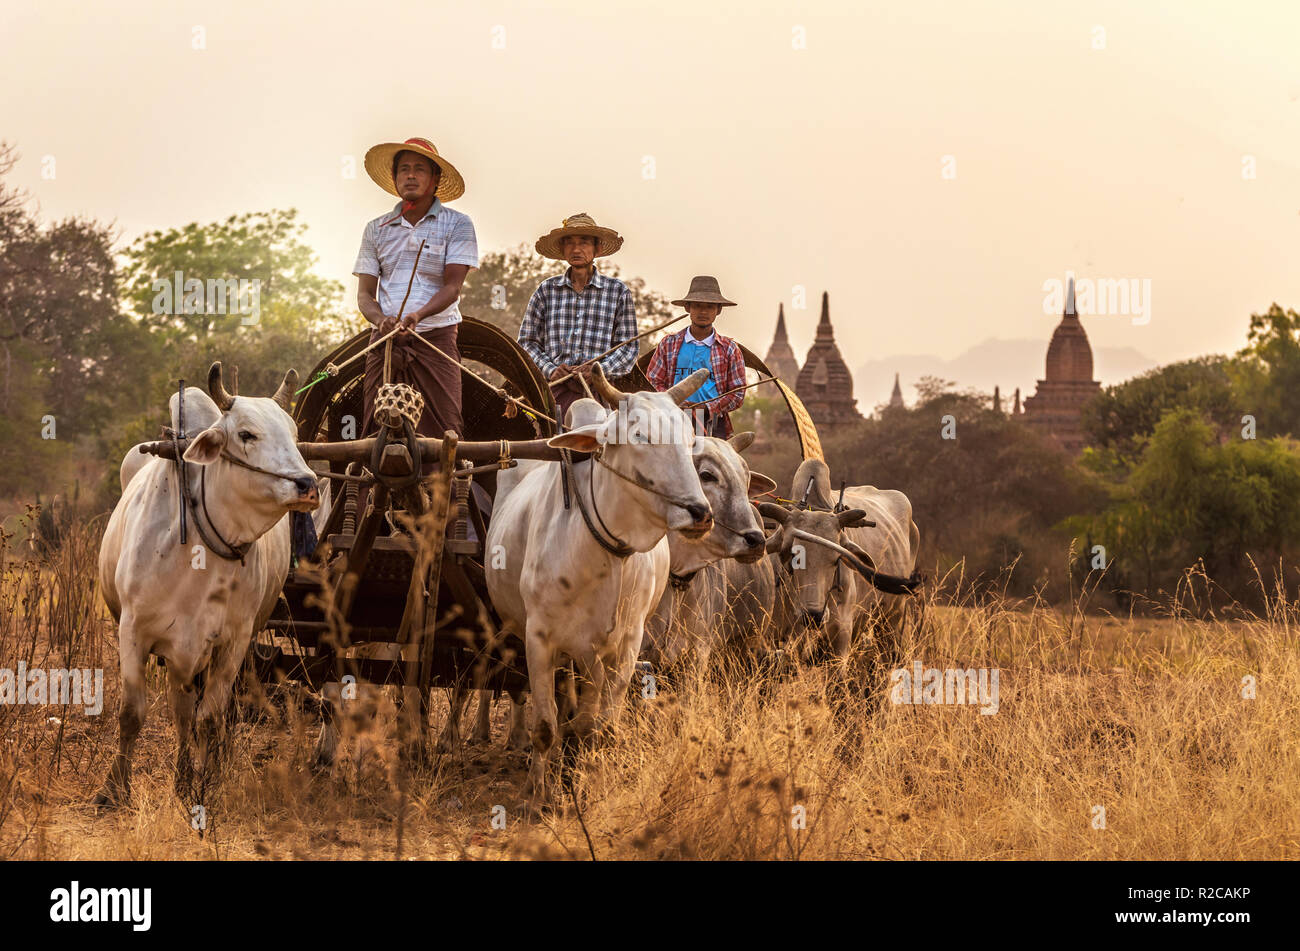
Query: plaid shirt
(728, 372)
(562, 326)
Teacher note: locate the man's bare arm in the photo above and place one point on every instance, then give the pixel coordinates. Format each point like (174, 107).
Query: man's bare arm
(368, 304)
(453, 278)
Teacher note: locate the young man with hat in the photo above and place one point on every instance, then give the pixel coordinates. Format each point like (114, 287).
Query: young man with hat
(575, 317)
(423, 180)
(682, 353)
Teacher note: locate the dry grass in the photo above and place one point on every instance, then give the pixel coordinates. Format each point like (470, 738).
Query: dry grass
(1143, 716)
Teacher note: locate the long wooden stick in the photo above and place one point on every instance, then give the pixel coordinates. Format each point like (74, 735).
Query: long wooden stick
(734, 389)
(388, 347)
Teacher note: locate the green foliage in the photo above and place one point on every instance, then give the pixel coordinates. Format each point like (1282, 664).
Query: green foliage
(300, 314)
(1121, 418)
(1267, 374)
(1194, 497)
(59, 325)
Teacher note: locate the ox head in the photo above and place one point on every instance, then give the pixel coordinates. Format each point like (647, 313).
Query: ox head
(728, 485)
(648, 439)
(257, 433)
(805, 549)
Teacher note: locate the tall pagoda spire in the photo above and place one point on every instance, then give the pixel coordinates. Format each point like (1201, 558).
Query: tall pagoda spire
(825, 384)
(780, 357)
(824, 329)
(896, 397)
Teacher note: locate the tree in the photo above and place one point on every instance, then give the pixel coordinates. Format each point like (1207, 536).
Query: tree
(63, 342)
(253, 300)
(1267, 372)
(1121, 418)
(1194, 498)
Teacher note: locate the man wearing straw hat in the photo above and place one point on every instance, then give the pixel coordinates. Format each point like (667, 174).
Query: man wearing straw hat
(412, 263)
(574, 318)
(700, 346)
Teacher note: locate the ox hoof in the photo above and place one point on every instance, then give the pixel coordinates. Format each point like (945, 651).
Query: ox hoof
(110, 797)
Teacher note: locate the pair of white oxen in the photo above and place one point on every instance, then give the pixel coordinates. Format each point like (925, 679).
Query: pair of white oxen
(678, 508)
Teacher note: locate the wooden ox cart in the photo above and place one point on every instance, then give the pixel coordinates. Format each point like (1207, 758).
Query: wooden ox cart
(400, 559)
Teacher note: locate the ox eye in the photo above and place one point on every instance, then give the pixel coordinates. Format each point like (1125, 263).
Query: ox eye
(246, 436)
(707, 476)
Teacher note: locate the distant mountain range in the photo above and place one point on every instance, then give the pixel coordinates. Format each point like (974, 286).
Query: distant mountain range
(1005, 363)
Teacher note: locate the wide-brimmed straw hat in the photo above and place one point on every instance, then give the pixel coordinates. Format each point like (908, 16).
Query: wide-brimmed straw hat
(607, 239)
(379, 165)
(704, 290)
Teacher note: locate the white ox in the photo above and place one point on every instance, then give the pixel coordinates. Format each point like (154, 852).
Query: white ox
(832, 571)
(198, 606)
(560, 589)
(691, 617)
(679, 621)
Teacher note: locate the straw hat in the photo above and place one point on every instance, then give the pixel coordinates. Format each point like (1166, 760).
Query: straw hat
(607, 239)
(379, 165)
(704, 290)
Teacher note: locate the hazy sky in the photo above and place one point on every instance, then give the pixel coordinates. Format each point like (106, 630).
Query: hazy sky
(773, 166)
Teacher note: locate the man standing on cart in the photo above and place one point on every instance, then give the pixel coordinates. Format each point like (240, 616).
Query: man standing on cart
(575, 317)
(700, 346)
(418, 234)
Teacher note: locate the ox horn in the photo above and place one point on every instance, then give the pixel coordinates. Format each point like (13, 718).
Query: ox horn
(774, 542)
(681, 392)
(741, 441)
(217, 389)
(777, 513)
(827, 543)
(284, 394)
(604, 389)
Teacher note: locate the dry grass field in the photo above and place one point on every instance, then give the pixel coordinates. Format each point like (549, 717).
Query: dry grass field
(1143, 716)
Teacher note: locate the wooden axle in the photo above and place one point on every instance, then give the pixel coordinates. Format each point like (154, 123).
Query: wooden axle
(359, 450)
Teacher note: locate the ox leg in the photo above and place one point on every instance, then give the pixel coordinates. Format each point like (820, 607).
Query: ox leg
(614, 689)
(135, 701)
(185, 700)
(518, 737)
(218, 692)
(327, 744)
(545, 732)
(483, 721)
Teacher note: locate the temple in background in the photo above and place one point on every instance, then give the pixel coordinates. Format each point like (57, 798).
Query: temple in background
(1055, 407)
(824, 384)
(780, 356)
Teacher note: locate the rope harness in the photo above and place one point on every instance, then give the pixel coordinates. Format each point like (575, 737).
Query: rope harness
(232, 551)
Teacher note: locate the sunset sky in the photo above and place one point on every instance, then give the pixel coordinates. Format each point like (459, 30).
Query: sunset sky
(774, 166)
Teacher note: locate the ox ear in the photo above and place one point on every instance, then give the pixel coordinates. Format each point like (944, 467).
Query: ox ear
(852, 518)
(205, 448)
(741, 441)
(777, 513)
(582, 439)
(759, 484)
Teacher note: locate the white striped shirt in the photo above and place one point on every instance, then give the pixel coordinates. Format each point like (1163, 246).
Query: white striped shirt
(388, 247)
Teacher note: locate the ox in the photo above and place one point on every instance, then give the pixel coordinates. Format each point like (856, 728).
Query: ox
(578, 581)
(198, 606)
(681, 620)
(837, 572)
(691, 617)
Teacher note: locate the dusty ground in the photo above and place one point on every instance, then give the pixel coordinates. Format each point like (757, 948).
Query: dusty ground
(1144, 718)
